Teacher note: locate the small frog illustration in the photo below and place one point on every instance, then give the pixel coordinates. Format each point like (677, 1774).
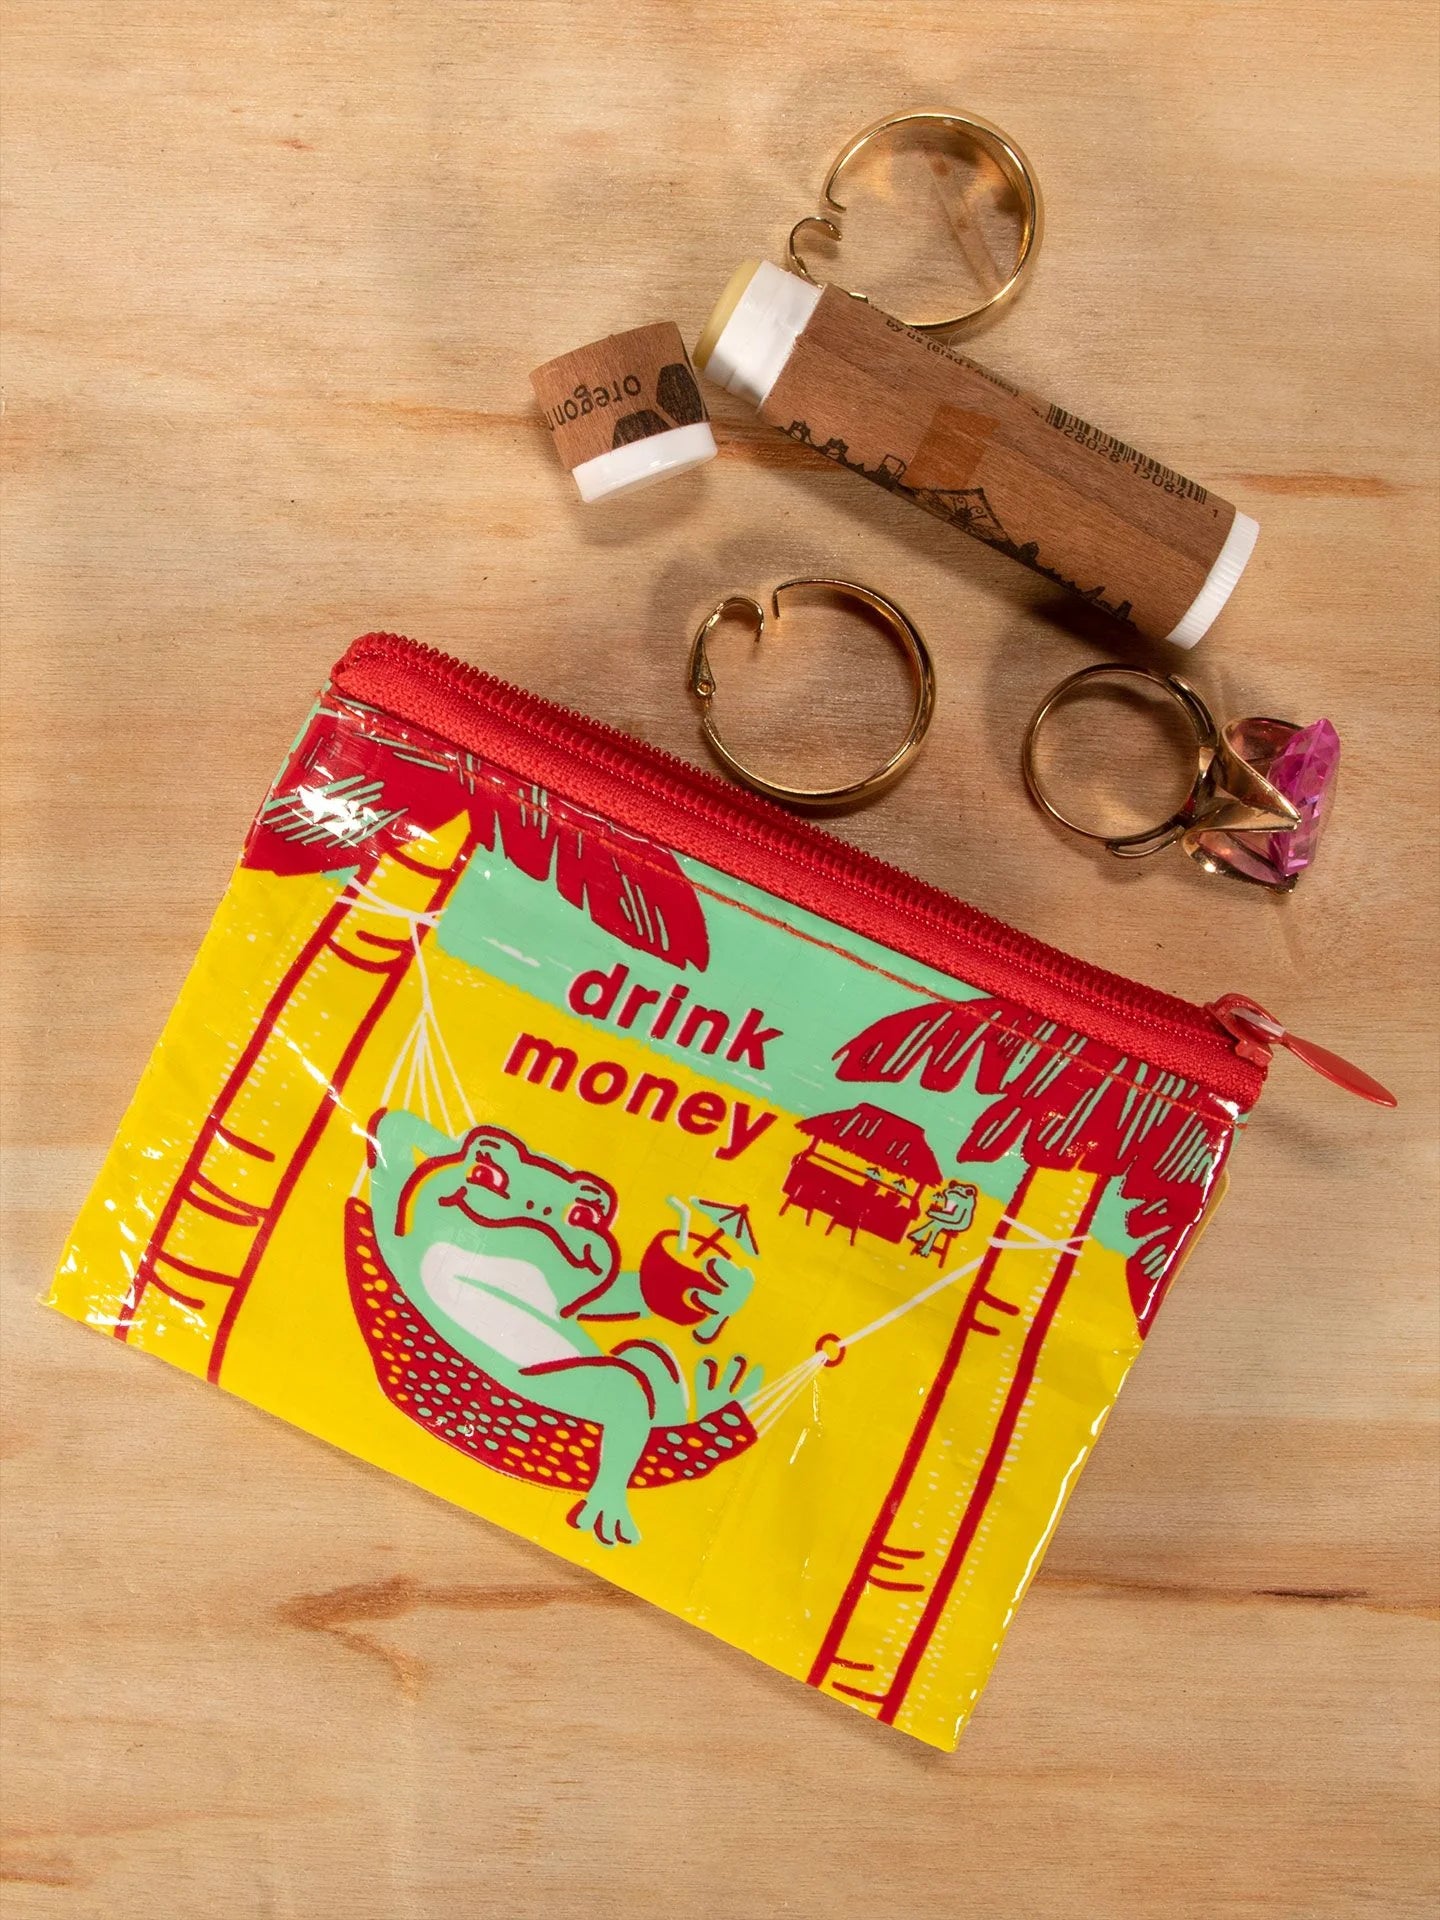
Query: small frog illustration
(505, 1254)
(951, 1210)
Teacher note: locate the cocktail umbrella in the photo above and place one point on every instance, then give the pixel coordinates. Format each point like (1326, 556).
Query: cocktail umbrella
(733, 1222)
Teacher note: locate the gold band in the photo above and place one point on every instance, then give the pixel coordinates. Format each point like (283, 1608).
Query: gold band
(1007, 157)
(1227, 794)
(901, 628)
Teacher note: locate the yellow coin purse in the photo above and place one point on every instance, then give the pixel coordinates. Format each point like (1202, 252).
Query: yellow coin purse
(593, 1144)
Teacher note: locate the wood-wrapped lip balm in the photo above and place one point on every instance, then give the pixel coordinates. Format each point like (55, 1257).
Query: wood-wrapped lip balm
(626, 410)
(1031, 479)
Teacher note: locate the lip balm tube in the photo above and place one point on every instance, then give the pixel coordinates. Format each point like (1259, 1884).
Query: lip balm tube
(1034, 481)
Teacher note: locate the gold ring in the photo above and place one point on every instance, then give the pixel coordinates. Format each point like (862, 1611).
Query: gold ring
(1001, 149)
(1236, 818)
(901, 628)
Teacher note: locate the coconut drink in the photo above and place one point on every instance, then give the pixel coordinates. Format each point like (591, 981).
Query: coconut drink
(677, 1269)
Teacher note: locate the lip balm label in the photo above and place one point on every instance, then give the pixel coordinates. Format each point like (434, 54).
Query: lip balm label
(613, 392)
(1032, 480)
(1118, 454)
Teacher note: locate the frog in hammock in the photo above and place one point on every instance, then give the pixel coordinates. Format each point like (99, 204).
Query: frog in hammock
(504, 1253)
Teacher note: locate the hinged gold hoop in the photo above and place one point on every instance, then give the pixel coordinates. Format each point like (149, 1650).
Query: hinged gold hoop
(1001, 149)
(901, 628)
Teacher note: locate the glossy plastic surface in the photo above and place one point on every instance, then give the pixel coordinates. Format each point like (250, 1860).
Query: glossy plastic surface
(767, 1270)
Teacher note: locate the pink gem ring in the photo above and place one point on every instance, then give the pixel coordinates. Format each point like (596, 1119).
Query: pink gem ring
(1257, 804)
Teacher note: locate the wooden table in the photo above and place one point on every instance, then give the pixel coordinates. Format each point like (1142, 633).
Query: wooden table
(277, 273)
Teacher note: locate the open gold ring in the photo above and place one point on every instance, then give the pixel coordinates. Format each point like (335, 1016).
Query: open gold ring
(1001, 149)
(1258, 800)
(900, 627)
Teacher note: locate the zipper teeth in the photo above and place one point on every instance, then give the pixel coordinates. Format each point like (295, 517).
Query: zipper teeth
(680, 782)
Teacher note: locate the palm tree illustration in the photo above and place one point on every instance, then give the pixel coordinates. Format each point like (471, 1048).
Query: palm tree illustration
(397, 820)
(1066, 1105)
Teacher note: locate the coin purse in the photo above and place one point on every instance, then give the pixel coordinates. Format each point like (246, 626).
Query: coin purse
(593, 1144)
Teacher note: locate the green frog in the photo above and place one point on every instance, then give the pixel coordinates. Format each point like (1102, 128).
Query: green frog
(505, 1253)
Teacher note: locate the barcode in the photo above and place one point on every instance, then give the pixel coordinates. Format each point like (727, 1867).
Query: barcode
(1119, 454)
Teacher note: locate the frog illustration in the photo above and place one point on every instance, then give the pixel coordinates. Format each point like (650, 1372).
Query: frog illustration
(951, 1210)
(505, 1253)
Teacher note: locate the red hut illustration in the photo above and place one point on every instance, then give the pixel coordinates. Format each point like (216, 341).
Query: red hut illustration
(864, 1170)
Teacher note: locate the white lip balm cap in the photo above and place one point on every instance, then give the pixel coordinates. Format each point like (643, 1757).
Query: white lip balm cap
(642, 462)
(756, 323)
(1220, 582)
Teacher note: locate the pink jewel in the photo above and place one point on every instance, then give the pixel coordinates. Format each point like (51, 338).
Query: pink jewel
(1303, 764)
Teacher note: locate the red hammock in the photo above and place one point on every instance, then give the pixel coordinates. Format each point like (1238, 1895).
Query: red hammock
(442, 1391)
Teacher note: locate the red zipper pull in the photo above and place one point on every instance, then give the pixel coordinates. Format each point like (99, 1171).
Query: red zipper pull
(1255, 1032)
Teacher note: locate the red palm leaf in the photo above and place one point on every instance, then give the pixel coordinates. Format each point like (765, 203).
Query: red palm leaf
(942, 1038)
(1170, 1179)
(1062, 1101)
(349, 794)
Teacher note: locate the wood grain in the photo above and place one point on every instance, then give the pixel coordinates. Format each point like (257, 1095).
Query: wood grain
(276, 276)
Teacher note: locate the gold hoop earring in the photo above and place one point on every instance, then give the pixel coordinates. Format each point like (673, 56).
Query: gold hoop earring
(997, 145)
(901, 629)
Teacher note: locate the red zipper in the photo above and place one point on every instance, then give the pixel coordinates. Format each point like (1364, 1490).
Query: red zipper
(739, 833)
(1256, 1033)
